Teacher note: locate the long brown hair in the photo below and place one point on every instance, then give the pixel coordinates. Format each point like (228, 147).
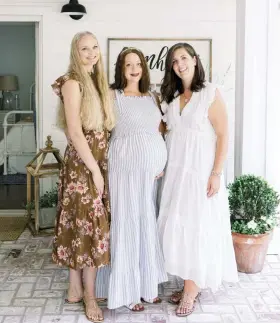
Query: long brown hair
(96, 104)
(120, 81)
(172, 82)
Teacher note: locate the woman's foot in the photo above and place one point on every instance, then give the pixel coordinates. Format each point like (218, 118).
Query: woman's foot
(175, 297)
(74, 295)
(136, 307)
(92, 310)
(75, 290)
(156, 300)
(186, 305)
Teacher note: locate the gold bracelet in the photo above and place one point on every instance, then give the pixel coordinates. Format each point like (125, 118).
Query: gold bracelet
(216, 174)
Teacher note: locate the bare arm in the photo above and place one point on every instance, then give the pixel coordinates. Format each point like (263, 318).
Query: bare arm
(218, 118)
(72, 101)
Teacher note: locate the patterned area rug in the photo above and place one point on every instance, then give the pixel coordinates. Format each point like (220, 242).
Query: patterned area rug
(11, 227)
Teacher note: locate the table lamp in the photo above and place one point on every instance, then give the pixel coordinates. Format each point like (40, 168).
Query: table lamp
(8, 83)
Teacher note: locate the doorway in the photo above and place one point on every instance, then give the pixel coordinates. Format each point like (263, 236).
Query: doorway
(18, 116)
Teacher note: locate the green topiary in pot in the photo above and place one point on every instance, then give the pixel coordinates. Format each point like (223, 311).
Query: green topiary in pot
(48, 199)
(253, 205)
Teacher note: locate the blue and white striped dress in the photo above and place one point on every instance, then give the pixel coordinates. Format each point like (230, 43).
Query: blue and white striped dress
(137, 154)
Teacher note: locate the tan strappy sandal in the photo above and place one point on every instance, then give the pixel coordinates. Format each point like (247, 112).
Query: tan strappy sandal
(156, 300)
(187, 304)
(175, 297)
(92, 311)
(72, 297)
(135, 307)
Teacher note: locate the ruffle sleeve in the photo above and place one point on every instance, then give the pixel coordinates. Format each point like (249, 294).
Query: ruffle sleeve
(59, 82)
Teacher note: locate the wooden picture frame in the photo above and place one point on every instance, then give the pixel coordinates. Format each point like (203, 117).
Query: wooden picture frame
(155, 51)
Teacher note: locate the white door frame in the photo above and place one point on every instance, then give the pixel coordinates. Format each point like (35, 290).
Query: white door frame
(272, 113)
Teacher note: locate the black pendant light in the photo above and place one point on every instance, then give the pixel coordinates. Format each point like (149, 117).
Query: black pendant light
(74, 9)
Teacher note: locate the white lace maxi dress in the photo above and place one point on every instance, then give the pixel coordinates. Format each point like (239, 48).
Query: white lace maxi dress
(194, 229)
(137, 154)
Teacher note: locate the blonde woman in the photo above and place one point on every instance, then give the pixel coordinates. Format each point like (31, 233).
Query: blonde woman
(81, 239)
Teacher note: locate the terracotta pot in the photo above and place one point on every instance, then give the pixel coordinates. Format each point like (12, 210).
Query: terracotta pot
(250, 251)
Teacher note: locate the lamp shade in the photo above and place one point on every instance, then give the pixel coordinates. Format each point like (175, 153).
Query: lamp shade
(73, 8)
(8, 83)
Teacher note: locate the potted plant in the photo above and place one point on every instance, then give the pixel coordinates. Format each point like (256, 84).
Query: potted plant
(47, 211)
(253, 208)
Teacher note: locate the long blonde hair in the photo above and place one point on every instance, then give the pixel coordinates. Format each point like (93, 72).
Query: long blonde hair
(96, 103)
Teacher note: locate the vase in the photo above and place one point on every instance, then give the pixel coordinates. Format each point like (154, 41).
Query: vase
(47, 217)
(250, 251)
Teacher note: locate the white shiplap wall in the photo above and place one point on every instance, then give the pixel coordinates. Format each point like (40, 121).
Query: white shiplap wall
(214, 19)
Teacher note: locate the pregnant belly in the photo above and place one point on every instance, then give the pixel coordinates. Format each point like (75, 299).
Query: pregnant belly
(138, 153)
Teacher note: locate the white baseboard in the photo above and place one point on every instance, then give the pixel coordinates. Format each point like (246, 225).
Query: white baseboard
(17, 212)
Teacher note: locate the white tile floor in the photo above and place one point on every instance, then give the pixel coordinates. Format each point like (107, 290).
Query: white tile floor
(32, 290)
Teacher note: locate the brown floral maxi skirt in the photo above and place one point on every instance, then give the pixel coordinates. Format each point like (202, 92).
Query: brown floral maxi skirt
(82, 229)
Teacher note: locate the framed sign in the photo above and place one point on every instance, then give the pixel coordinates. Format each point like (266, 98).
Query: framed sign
(155, 51)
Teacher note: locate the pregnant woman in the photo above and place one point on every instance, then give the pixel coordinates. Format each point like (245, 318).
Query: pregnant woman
(137, 157)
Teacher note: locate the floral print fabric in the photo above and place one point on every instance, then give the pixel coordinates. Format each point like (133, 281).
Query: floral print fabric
(82, 229)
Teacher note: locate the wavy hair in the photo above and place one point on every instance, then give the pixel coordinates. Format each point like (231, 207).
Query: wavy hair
(120, 81)
(96, 103)
(172, 82)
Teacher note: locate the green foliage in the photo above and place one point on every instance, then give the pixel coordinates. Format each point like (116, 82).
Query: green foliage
(49, 199)
(253, 205)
